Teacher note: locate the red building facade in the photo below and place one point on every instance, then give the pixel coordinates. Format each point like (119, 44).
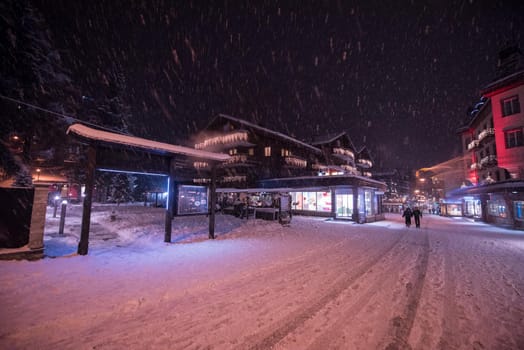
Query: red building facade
(493, 148)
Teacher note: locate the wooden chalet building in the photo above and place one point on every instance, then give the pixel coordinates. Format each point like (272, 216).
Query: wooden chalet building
(323, 178)
(339, 154)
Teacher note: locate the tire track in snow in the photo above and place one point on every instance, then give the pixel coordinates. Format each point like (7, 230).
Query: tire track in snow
(290, 323)
(402, 324)
(333, 336)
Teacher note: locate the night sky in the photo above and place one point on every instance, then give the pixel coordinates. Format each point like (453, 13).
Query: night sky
(398, 76)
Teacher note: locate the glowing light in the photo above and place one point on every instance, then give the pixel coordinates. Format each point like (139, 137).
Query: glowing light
(167, 201)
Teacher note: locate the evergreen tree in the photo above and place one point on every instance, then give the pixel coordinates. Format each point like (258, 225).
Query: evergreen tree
(33, 73)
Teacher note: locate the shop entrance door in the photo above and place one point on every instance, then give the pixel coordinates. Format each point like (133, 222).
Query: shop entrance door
(344, 204)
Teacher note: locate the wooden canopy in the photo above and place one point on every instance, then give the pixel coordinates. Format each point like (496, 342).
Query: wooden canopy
(112, 151)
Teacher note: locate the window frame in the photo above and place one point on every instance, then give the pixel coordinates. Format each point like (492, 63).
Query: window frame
(514, 138)
(510, 105)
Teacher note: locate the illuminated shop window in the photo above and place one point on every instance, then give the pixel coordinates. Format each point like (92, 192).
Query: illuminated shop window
(497, 208)
(367, 202)
(311, 201)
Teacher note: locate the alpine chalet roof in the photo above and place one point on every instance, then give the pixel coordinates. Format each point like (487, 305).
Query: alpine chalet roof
(267, 131)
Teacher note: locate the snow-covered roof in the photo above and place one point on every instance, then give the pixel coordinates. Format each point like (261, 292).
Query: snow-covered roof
(505, 80)
(275, 133)
(138, 142)
(321, 139)
(315, 177)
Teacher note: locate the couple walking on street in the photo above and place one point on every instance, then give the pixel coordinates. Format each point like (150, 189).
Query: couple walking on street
(408, 213)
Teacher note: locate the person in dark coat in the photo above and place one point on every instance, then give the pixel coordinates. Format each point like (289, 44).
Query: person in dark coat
(407, 216)
(417, 214)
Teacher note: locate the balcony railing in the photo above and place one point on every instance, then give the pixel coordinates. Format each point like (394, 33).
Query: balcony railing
(201, 165)
(475, 166)
(240, 136)
(295, 161)
(239, 160)
(236, 178)
(318, 166)
(349, 168)
(490, 160)
(486, 133)
(343, 153)
(473, 144)
(202, 180)
(365, 163)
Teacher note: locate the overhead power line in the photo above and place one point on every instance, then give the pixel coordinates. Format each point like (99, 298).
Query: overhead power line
(68, 119)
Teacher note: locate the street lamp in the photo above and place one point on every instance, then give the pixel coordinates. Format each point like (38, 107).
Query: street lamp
(38, 174)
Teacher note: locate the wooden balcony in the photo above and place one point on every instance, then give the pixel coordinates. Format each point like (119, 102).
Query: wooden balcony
(473, 144)
(295, 162)
(344, 153)
(229, 140)
(475, 166)
(486, 134)
(349, 168)
(364, 163)
(240, 160)
(489, 161)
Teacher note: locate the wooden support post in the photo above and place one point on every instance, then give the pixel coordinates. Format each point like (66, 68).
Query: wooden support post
(88, 199)
(333, 203)
(356, 214)
(212, 201)
(170, 201)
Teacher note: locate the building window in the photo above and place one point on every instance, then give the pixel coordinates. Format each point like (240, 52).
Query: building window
(251, 151)
(267, 151)
(285, 152)
(510, 106)
(233, 151)
(513, 138)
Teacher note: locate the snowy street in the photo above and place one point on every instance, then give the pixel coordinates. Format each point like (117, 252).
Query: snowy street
(318, 284)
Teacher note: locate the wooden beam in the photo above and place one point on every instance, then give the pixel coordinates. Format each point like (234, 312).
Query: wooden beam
(88, 200)
(212, 201)
(170, 201)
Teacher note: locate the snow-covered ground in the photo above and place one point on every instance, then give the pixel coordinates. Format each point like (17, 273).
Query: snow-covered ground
(318, 284)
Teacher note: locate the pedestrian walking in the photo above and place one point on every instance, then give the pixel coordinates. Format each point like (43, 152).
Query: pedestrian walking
(407, 216)
(417, 214)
